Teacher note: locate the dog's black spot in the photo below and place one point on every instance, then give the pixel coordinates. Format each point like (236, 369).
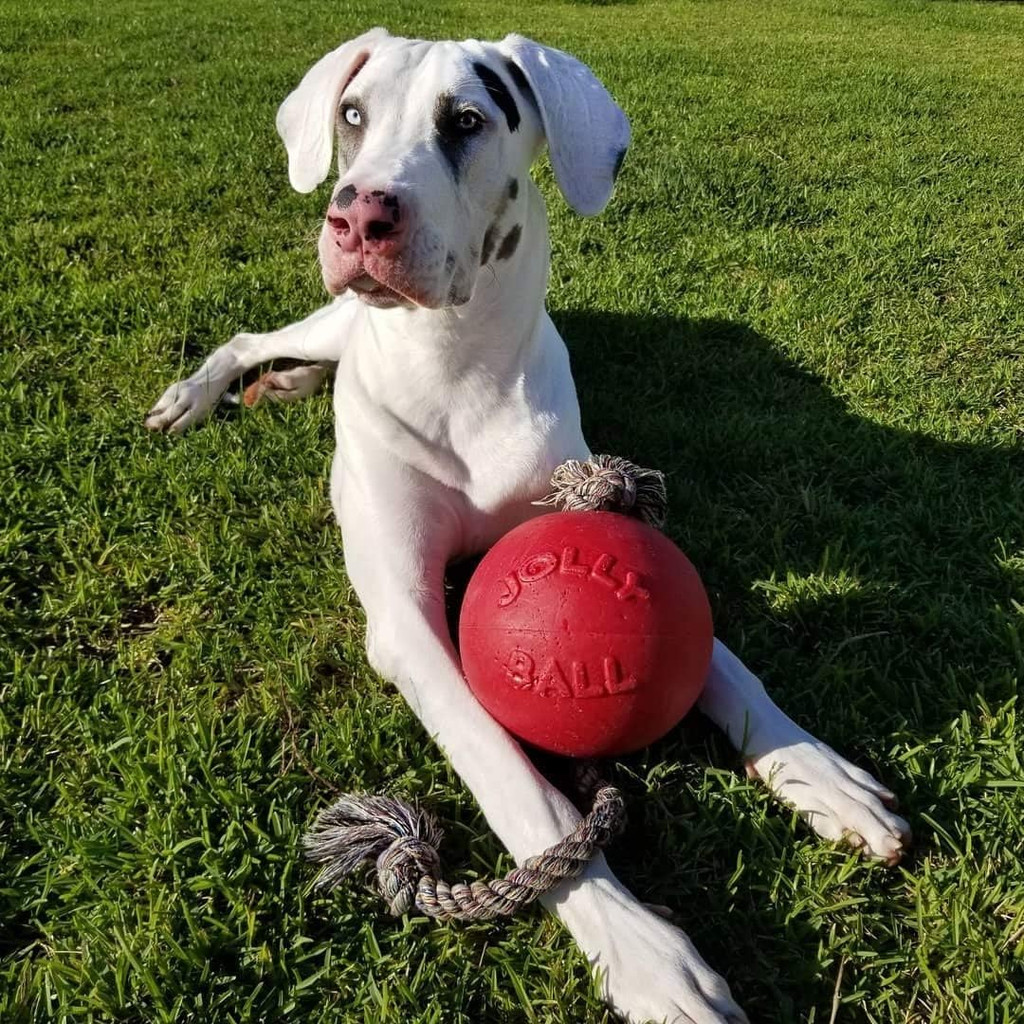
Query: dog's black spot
(449, 262)
(499, 209)
(377, 192)
(509, 243)
(389, 203)
(499, 92)
(513, 188)
(516, 74)
(450, 141)
(344, 196)
(457, 297)
(618, 163)
(490, 237)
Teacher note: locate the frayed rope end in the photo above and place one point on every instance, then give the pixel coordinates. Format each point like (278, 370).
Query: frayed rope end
(400, 840)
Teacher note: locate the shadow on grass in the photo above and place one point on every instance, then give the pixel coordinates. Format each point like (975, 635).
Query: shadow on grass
(876, 549)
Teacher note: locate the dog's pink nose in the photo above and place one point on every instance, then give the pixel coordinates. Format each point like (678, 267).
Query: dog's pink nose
(367, 221)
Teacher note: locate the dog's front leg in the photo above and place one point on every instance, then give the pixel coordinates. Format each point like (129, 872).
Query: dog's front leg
(317, 339)
(649, 969)
(838, 799)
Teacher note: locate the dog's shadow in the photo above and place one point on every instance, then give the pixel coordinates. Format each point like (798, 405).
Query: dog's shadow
(856, 567)
(819, 533)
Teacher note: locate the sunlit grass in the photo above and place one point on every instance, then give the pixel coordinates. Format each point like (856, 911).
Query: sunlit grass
(804, 303)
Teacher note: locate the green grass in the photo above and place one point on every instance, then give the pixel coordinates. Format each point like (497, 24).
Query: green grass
(806, 304)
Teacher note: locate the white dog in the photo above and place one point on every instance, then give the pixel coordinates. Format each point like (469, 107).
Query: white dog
(454, 402)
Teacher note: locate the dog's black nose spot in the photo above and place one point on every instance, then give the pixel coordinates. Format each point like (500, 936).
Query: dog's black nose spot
(344, 196)
(378, 229)
(513, 188)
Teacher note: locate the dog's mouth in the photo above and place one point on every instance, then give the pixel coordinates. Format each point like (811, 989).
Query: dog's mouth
(375, 279)
(373, 293)
(370, 291)
(383, 284)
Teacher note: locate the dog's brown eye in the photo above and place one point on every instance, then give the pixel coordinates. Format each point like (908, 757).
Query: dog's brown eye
(468, 121)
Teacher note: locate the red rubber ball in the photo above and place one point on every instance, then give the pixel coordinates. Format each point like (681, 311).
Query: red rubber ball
(586, 633)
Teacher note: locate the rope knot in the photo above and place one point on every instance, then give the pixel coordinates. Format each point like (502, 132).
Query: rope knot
(609, 483)
(363, 829)
(399, 870)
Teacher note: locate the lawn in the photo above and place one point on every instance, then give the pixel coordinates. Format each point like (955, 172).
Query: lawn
(805, 303)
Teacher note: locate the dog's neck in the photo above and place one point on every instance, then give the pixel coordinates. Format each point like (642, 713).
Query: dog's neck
(496, 331)
(508, 298)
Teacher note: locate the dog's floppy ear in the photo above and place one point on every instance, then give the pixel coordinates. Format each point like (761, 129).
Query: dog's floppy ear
(586, 132)
(305, 121)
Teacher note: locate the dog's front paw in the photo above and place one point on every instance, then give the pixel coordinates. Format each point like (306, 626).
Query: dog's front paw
(650, 971)
(183, 404)
(837, 799)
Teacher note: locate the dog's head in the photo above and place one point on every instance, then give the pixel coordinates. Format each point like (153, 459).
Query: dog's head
(435, 141)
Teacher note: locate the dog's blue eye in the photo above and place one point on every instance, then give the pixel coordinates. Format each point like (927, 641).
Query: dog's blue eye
(352, 116)
(468, 121)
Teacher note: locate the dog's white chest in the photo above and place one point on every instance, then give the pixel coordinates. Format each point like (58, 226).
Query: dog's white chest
(484, 423)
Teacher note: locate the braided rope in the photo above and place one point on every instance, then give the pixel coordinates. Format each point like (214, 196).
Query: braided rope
(400, 841)
(609, 483)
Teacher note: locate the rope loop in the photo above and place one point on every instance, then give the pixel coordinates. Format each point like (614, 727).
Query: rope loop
(401, 841)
